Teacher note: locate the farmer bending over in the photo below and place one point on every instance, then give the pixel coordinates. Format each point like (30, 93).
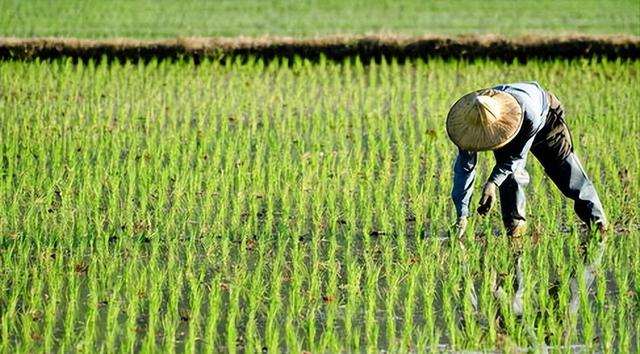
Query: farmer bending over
(512, 120)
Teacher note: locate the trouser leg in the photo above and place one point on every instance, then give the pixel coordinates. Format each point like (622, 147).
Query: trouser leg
(570, 178)
(553, 147)
(512, 198)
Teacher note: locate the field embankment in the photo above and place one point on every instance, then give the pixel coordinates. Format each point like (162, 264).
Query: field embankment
(332, 47)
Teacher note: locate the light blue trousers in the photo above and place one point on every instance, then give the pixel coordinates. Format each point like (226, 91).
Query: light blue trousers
(569, 177)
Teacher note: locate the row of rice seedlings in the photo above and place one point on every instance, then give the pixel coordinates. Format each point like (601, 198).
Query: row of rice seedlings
(175, 207)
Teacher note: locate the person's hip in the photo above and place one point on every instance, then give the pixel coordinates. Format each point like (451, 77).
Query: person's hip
(553, 143)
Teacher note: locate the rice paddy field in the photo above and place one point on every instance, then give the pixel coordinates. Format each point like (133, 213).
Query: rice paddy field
(169, 19)
(290, 206)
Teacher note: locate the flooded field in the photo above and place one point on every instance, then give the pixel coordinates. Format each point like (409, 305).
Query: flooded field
(300, 207)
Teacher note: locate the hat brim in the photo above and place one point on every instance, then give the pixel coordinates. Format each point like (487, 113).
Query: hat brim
(467, 131)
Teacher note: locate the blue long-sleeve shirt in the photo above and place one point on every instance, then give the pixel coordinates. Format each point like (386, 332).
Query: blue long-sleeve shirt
(509, 158)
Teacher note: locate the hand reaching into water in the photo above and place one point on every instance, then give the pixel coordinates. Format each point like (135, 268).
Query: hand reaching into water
(487, 199)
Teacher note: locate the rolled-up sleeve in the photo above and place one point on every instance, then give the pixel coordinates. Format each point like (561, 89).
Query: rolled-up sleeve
(463, 178)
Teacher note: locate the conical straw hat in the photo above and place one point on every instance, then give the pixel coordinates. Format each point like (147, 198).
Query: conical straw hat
(484, 120)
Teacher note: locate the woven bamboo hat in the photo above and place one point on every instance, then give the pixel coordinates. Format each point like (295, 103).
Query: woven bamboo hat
(484, 120)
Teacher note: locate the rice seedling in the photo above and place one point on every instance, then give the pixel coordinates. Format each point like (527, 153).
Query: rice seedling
(289, 205)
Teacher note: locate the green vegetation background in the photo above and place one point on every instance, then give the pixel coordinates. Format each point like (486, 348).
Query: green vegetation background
(225, 207)
(166, 18)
